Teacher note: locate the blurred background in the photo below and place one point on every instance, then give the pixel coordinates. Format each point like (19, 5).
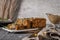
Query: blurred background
(39, 8)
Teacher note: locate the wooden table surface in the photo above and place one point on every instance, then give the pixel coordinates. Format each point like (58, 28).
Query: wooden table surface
(4, 35)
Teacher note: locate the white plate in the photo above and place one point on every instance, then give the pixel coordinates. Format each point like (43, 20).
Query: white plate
(18, 30)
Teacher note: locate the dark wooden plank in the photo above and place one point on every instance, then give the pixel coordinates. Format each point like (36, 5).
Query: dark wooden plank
(4, 35)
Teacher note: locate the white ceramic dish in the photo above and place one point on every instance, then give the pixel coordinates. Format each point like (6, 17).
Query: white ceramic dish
(18, 30)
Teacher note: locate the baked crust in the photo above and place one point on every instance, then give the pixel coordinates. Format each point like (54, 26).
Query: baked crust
(38, 23)
(28, 23)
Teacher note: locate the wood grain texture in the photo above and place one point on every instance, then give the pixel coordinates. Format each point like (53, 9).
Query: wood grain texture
(4, 35)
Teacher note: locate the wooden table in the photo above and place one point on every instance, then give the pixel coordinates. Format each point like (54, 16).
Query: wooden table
(4, 35)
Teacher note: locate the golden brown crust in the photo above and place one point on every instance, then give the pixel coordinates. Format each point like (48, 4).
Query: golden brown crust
(19, 22)
(11, 26)
(39, 22)
(27, 23)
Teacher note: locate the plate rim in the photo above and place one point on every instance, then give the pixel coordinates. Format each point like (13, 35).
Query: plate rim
(19, 30)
